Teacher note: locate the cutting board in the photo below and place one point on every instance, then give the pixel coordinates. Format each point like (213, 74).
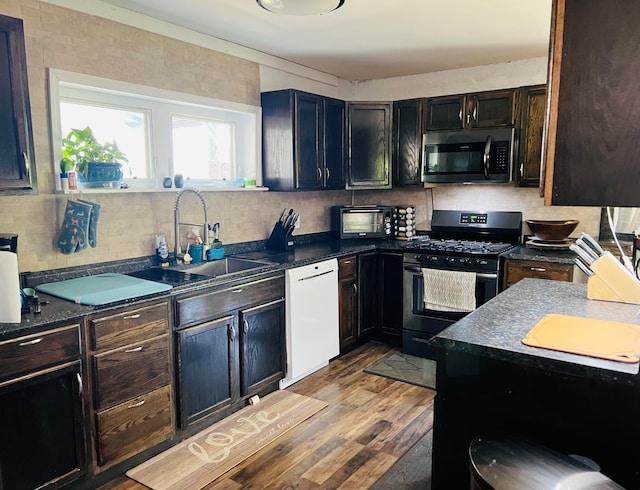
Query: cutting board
(586, 336)
(102, 288)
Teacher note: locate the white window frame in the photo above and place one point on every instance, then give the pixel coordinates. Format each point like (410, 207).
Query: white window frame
(160, 105)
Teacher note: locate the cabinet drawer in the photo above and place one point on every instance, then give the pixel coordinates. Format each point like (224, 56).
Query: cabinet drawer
(134, 426)
(347, 266)
(131, 371)
(206, 306)
(516, 270)
(128, 327)
(36, 351)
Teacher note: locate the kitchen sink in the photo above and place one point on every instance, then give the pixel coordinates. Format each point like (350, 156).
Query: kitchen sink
(228, 265)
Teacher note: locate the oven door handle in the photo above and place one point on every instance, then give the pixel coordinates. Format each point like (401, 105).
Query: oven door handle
(479, 275)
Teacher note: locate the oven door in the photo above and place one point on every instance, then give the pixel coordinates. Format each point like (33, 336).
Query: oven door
(419, 323)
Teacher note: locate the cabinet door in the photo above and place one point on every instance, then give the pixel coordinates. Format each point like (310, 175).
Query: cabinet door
(335, 143)
(206, 361)
(368, 294)
(17, 163)
(534, 100)
(262, 347)
(348, 301)
(41, 429)
(490, 109)
(369, 145)
(390, 297)
(308, 141)
(407, 142)
(593, 138)
(445, 113)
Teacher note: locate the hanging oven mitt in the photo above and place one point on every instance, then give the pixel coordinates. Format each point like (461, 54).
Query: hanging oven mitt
(93, 222)
(75, 227)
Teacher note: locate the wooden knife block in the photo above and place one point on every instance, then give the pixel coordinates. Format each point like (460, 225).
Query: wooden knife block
(612, 282)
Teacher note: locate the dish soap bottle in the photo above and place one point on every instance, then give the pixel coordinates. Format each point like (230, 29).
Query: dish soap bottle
(162, 250)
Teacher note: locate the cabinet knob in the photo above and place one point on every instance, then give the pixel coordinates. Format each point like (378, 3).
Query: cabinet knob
(355, 288)
(538, 269)
(245, 326)
(135, 349)
(232, 333)
(80, 386)
(319, 173)
(132, 317)
(327, 173)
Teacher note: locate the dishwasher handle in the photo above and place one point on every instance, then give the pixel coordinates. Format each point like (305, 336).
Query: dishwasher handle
(316, 275)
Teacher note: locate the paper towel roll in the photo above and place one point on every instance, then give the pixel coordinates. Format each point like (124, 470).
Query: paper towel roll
(10, 303)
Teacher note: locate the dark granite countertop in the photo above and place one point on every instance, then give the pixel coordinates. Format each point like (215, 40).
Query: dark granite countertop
(58, 311)
(496, 329)
(522, 252)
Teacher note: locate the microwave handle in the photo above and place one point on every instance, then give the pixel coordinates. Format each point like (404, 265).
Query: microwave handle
(485, 158)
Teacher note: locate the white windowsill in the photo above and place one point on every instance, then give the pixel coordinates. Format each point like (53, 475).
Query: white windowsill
(171, 190)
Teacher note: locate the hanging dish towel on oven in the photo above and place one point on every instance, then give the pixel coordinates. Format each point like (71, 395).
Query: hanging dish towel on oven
(449, 290)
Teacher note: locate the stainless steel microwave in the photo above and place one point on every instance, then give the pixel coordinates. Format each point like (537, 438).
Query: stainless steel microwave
(362, 221)
(475, 155)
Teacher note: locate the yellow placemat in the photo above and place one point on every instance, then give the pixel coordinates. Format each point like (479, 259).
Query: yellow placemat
(615, 341)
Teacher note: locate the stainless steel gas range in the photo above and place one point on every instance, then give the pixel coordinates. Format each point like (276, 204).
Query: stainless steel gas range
(452, 270)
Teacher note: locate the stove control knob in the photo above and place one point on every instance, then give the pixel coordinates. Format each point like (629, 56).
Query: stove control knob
(467, 261)
(482, 262)
(449, 260)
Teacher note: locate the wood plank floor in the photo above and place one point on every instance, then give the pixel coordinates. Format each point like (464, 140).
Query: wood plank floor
(369, 424)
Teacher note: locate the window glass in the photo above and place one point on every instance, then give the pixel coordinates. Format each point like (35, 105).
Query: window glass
(203, 148)
(162, 133)
(126, 127)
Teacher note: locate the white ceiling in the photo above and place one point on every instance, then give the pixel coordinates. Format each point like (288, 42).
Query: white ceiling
(371, 39)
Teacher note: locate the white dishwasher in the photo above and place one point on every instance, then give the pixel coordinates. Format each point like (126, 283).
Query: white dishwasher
(312, 318)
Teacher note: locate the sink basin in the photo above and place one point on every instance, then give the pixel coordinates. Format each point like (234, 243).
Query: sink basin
(228, 265)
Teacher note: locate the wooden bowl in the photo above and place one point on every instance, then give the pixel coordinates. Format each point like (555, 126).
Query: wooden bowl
(553, 231)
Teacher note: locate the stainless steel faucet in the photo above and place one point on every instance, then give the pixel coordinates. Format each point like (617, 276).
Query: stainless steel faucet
(177, 223)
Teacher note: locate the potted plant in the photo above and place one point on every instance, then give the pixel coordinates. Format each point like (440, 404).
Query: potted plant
(95, 162)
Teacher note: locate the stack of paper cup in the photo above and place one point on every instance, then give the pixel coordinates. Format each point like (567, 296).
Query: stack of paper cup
(10, 303)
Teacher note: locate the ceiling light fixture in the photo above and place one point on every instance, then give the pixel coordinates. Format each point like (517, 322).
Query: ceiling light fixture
(300, 7)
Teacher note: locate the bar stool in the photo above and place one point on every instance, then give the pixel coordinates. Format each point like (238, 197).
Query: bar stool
(505, 462)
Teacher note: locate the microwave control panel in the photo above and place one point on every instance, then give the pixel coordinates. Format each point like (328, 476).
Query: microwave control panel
(500, 162)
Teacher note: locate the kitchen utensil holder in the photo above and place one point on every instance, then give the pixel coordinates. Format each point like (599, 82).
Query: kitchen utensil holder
(612, 282)
(280, 239)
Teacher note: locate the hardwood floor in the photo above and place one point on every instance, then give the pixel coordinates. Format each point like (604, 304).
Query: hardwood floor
(369, 424)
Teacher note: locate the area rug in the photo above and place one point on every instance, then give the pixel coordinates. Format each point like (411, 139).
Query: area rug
(408, 369)
(199, 460)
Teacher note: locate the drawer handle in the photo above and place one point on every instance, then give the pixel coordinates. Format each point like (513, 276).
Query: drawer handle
(30, 342)
(135, 349)
(132, 317)
(139, 404)
(538, 269)
(347, 262)
(238, 290)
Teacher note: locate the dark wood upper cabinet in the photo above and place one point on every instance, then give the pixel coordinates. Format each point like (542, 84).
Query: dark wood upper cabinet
(304, 141)
(533, 102)
(408, 116)
(369, 131)
(479, 110)
(17, 161)
(592, 143)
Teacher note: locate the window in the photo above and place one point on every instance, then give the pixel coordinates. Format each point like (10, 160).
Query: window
(162, 133)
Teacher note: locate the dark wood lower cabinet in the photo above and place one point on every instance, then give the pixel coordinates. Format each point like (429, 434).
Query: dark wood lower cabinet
(262, 358)
(348, 302)
(41, 429)
(370, 298)
(224, 360)
(390, 291)
(368, 295)
(207, 356)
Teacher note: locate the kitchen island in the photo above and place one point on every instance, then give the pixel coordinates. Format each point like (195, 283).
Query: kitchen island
(488, 381)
